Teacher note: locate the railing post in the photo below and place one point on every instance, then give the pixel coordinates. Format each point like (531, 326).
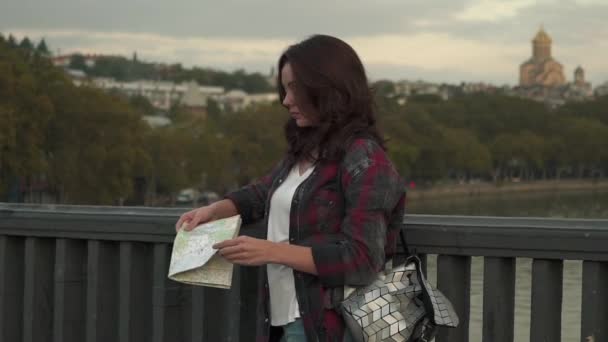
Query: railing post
(124, 291)
(160, 267)
(248, 298)
(38, 290)
(498, 299)
(70, 290)
(546, 310)
(594, 310)
(197, 314)
(11, 288)
(102, 292)
(454, 281)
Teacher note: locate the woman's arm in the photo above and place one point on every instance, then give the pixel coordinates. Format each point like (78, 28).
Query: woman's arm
(250, 200)
(372, 191)
(297, 257)
(215, 211)
(249, 251)
(222, 209)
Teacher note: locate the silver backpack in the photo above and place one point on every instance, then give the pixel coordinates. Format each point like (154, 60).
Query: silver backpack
(398, 306)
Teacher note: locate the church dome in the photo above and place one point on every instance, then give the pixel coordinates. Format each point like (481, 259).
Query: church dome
(542, 37)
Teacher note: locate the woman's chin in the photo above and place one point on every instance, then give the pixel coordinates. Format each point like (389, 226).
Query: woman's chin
(302, 123)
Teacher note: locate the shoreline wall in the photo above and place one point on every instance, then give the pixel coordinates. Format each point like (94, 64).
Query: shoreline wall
(486, 188)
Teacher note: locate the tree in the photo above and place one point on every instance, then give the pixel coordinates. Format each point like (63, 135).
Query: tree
(518, 154)
(78, 62)
(25, 112)
(12, 42)
(97, 147)
(383, 88)
(26, 44)
(586, 144)
(464, 154)
(42, 49)
(142, 104)
(213, 110)
(256, 139)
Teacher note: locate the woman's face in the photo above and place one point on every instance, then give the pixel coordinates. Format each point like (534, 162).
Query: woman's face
(289, 84)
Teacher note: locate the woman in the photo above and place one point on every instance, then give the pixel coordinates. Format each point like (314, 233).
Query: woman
(332, 206)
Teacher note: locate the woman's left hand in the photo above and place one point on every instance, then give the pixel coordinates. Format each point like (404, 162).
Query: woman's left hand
(245, 250)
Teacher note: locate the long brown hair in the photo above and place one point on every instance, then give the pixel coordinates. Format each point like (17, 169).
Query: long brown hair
(332, 87)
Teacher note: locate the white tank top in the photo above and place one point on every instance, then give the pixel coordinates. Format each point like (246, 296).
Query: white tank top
(284, 307)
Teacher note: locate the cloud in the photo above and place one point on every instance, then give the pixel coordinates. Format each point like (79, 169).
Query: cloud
(437, 51)
(424, 52)
(153, 47)
(224, 18)
(493, 10)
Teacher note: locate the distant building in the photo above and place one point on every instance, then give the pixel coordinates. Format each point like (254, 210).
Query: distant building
(76, 74)
(237, 100)
(162, 94)
(155, 121)
(541, 78)
(65, 60)
(194, 101)
(541, 69)
(406, 88)
(476, 88)
(580, 89)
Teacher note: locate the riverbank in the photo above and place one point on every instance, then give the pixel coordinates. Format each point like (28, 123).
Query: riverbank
(485, 188)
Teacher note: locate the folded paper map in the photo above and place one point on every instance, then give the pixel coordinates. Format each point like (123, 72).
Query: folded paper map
(194, 261)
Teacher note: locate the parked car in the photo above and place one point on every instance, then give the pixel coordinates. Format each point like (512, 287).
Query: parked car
(207, 197)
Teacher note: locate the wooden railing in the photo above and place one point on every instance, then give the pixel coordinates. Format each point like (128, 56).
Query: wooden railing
(96, 274)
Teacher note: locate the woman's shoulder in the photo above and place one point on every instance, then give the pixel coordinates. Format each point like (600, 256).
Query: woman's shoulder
(364, 148)
(362, 153)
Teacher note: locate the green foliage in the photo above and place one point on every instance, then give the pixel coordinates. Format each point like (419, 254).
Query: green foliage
(256, 140)
(81, 144)
(142, 104)
(494, 137)
(97, 146)
(78, 62)
(11, 41)
(383, 88)
(123, 69)
(25, 112)
(26, 44)
(42, 49)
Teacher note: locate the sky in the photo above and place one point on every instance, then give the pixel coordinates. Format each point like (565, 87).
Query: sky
(448, 41)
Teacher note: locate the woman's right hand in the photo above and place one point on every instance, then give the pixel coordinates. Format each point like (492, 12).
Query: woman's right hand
(195, 217)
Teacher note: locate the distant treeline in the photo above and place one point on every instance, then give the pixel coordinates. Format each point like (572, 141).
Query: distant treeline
(85, 146)
(132, 69)
(125, 69)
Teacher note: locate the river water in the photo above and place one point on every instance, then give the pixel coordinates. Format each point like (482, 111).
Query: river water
(553, 204)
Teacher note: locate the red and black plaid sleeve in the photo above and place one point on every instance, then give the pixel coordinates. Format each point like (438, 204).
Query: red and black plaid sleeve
(372, 188)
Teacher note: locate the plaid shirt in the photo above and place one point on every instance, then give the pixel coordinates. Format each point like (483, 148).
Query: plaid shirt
(349, 213)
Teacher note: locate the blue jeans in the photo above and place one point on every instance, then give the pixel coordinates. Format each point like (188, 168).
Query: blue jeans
(294, 332)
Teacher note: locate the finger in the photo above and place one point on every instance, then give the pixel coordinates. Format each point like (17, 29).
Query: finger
(226, 243)
(229, 251)
(195, 220)
(184, 218)
(246, 261)
(238, 258)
